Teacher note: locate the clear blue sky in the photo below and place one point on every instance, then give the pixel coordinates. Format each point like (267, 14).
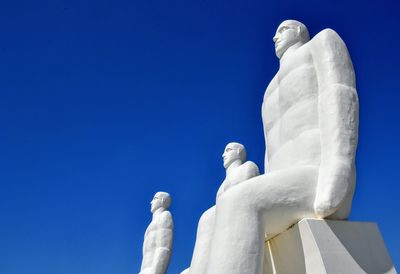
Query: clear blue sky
(103, 103)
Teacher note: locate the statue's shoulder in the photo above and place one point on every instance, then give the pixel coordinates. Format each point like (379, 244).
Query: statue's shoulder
(250, 164)
(328, 44)
(326, 37)
(251, 167)
(330, 53)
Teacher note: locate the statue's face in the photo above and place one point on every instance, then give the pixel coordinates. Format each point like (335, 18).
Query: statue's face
(286, 36)
(231, 154)
(156, 203)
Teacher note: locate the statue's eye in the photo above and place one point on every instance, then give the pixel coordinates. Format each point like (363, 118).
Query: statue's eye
(283, 29)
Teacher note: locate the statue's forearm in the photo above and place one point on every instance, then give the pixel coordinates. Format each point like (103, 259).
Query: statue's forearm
(163, 249)
(161, 260)
(338, 128)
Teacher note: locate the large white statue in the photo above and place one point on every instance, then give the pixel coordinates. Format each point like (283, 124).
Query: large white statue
(157, 245)
(237, 171)
(310, 119)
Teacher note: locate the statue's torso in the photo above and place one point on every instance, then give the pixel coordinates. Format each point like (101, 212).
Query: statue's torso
(150, 242)
(290, 113)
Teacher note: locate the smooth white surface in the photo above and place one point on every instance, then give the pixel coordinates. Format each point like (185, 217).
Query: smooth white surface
(310, 120)
(237, 171)
(157, 244)
(326, 246)
(186, 271)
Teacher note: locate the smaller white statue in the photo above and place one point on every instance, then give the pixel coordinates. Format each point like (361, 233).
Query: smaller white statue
(157, 245)
(238, 170)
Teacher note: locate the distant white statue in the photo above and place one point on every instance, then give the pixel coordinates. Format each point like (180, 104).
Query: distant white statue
(237, 170)
(310, 119)
(157, 245)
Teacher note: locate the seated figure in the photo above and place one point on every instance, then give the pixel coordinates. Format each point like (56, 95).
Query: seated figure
(237, 170)
(310, 120)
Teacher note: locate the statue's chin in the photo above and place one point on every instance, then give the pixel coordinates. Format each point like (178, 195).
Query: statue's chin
(279, 52)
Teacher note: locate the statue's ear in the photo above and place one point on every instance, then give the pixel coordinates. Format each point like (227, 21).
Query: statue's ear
(298, 30)
(238, 151)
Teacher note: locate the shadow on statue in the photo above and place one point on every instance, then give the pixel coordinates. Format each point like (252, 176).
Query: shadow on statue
(326, 246)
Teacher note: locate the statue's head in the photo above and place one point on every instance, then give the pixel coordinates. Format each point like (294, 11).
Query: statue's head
(289, 33)
(161, 199)
(232, 153)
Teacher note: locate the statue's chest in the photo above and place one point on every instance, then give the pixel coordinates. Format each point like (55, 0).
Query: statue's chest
(152, 227)
(295, 83)
(237, 175)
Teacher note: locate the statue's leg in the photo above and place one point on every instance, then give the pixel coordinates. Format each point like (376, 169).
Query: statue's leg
(202, 247)
(264, 205)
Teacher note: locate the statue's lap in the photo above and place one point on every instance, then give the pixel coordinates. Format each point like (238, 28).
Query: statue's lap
(284, 196)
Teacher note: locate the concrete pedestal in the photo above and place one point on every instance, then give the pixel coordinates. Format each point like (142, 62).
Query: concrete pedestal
(316, 246)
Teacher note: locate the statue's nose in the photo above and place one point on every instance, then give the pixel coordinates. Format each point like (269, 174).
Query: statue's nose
(275, 38)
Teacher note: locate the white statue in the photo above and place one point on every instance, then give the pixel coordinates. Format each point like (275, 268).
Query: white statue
(157, 245)
(237, 171)
(310, 119)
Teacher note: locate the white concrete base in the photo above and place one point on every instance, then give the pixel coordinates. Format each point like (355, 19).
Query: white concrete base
(316, 246)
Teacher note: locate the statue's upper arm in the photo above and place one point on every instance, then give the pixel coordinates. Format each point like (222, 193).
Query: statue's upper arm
(338, 101)
(332, 60)
(165, 230)
(166, 220)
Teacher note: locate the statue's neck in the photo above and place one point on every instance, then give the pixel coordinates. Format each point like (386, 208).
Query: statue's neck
(158, 211)
(232, 166)
(290, 51)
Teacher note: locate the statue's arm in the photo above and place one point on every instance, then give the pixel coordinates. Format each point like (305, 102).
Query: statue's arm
(253, 170)
(248, 170)
(163, 249)
(338, 121)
